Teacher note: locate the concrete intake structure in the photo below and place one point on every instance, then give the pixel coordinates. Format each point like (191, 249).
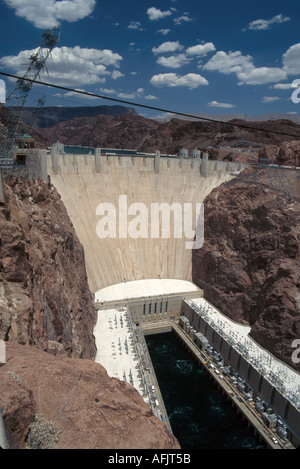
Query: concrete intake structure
(86, 180)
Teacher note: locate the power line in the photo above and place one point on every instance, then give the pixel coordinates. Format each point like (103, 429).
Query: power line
(183, 114)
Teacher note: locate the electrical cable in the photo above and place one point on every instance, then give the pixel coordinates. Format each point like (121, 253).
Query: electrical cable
(183, 114)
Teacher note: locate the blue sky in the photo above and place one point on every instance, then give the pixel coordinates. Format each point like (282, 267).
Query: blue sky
(183, 55)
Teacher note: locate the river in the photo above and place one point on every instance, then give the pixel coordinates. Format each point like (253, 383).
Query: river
(200, 416)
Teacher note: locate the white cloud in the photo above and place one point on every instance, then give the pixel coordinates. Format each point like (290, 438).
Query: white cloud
(291, 60)
(139, 93)
(191, 80)
(69, 66)
(201, 49)
(135, 25)
(178, 60)
(233, 62)
(71, 94)
(261, 76)
(150, 97)
(246, 72)
(269, 99)
(47, 13)
(164, 32)
(107, 90)
(169, 46)
(218, 104)
(155, 14)
(127, 95)
(174, 61)
(282, 86)
(263, 25)
(183, 19)
(116, 74)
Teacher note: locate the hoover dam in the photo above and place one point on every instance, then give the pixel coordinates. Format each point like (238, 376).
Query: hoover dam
(85, 181)
(141, 278)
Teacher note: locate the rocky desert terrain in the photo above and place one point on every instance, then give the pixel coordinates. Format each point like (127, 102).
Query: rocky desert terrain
(70, 403)
(147, 135)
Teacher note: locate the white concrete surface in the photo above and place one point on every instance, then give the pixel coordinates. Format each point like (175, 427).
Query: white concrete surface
(273, 369)
(144, 288)
(116, 347)
(111, 260)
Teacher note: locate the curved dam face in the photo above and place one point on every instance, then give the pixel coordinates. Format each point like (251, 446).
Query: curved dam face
(91, 186)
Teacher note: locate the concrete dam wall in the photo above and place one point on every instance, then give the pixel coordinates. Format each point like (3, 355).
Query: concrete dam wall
(86, 180)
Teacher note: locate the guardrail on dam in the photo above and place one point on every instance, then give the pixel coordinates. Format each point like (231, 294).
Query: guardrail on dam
(86, 180)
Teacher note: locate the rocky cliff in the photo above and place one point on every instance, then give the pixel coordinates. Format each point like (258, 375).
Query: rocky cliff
(44, 297)
(286, 153)
(249, 263)
(69, 403)
(176, 134)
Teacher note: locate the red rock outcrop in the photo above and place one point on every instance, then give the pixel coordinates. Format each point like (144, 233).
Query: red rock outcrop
(44, 296)
(249, 263)
(70, 403)
(125, 131)
(286, 154)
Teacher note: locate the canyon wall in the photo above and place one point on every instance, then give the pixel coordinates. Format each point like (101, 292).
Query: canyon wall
(249, 263)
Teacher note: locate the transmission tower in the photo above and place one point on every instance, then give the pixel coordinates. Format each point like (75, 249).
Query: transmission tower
(17, 98)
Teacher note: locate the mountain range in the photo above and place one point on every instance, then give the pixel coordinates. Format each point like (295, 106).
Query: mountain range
(131, 131)
(50, 115)
(122, 127)
(245, 117)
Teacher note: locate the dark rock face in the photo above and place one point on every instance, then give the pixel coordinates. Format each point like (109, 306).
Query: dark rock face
(44, 296)
(69, 403)
(287, 153)
(146, 135)
(249, 263)
(127, 131)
